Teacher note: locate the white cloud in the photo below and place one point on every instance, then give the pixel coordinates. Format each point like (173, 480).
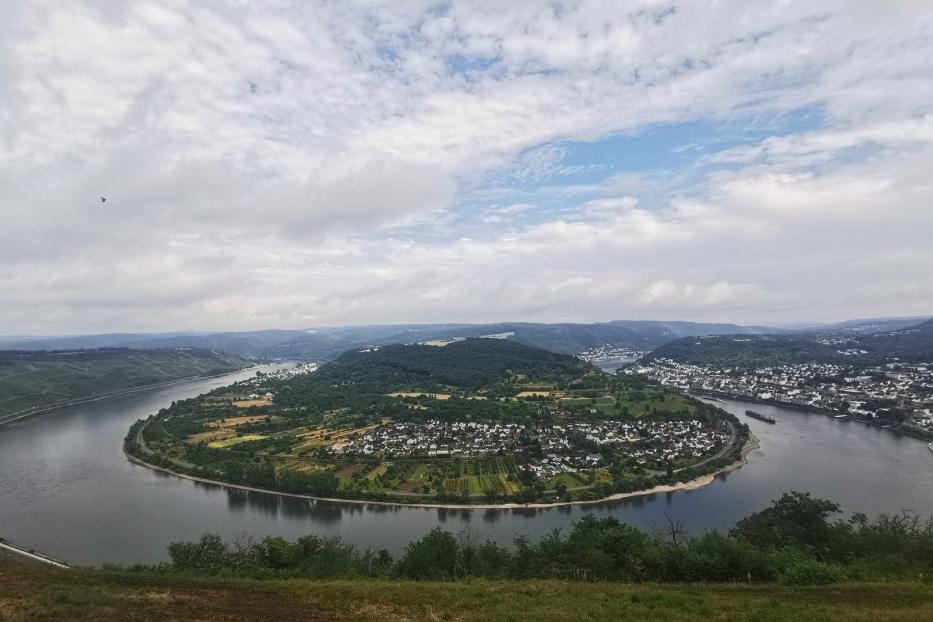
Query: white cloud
(261, 163)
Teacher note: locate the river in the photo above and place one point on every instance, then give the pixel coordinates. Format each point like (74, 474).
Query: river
(67, 490)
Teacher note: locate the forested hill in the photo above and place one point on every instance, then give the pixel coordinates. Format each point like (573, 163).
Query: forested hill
(467, 363)
(745, 351)
(913, 344)
(41, 379)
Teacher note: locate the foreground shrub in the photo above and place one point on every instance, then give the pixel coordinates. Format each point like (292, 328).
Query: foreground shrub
(794, 542)
(811, 572)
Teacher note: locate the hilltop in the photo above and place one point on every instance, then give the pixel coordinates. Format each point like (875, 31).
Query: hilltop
(33, 380)
(468, 363)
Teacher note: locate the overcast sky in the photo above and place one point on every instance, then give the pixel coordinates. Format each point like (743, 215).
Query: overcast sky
(299, 164)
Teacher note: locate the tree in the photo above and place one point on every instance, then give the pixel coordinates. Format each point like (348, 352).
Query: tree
(795, 521)
(432, 557)
(208, 553)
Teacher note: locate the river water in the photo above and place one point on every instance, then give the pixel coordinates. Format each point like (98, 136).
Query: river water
(67, 490)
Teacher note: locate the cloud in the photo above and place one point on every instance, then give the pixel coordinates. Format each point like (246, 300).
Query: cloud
(298, 164)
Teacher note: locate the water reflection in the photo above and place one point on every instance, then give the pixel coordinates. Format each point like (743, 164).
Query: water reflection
(65, 474)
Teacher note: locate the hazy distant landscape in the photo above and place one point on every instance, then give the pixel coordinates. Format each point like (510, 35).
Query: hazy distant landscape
(321, 344)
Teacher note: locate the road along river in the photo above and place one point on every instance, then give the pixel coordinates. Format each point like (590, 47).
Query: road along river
(67, 490)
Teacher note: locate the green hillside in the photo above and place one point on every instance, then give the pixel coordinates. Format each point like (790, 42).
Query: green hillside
(746, 351)
(913, 344)
(468, 363)
(42, 379)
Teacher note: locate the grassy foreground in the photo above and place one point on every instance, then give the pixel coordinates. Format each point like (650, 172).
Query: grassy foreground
(32, 592)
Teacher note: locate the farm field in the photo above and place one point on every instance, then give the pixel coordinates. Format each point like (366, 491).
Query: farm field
(230, 442)
(470, 476)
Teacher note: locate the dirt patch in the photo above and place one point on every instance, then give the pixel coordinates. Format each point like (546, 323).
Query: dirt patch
(211, 436)
(350, 471)
(437, 396)
(412, 485)
(252, 403)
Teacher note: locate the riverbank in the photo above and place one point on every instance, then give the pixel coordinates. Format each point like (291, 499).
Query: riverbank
(717, 396)
(705, 480)
(13, 550)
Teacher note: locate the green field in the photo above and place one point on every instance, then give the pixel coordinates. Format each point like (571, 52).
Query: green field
(40, 379)
(236, 440)
(30, 592)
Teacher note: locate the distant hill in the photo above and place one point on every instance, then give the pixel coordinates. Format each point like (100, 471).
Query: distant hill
(869, 326)
(249, 344)
(745, 351)
(912, 344)
(638, 335)
(326, 343)
(468, 363)
(46, 378)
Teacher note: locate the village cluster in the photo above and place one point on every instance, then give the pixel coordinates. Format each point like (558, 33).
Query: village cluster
(283, 374)
(609, 353)
(875, 393)
(569, 447)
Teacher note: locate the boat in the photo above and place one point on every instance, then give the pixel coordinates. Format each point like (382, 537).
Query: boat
(840, 416)
(757, 415)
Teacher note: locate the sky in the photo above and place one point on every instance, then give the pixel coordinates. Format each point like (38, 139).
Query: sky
(300, 164)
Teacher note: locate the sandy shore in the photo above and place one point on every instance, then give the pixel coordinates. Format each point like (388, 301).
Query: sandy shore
(699, 482)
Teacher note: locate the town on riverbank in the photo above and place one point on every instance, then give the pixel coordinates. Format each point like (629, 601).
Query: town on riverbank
(894, 395)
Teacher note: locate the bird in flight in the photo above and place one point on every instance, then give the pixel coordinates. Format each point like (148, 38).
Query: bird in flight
(103, 199)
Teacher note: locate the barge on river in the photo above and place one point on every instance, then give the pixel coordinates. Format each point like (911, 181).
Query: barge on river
(757, 415)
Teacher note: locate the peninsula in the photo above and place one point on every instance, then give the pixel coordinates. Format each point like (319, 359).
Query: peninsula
(469, 422)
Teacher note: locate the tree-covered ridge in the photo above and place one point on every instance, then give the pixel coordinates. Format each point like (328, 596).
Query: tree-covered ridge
(746, 351)
(323, 344)
(36, 379)
(913, 344)
(471, 363)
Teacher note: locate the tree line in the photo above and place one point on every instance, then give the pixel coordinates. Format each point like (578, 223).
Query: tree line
(797, 540)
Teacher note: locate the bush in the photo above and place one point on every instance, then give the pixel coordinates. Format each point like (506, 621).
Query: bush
(432, 557)
(811, 572)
